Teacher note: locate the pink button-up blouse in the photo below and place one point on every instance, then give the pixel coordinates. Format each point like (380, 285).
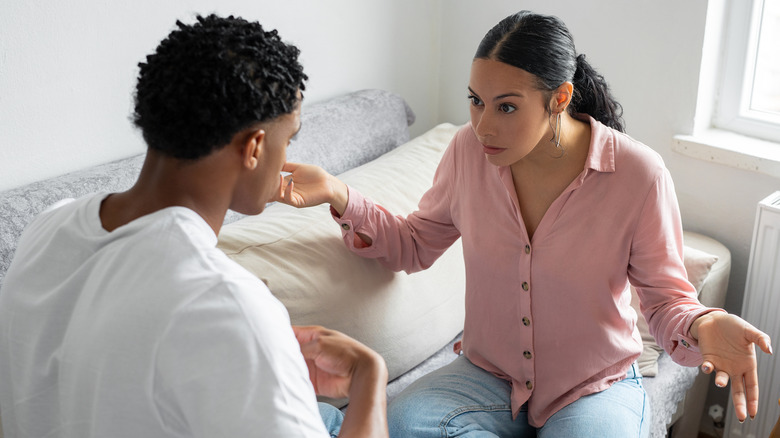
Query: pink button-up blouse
(550, 314)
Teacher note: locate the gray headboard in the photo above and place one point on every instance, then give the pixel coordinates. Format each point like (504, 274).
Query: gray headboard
(337, 134)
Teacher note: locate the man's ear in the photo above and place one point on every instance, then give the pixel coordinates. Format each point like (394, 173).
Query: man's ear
(561, 97)
(252, 148)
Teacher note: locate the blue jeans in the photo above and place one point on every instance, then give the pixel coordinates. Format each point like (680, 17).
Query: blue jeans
(332, 418)
(463, 400)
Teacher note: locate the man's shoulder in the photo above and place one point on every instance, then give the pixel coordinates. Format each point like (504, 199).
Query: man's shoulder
(62, 212)
(43, 235)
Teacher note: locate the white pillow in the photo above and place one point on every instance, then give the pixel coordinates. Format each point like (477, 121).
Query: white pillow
(300, 255)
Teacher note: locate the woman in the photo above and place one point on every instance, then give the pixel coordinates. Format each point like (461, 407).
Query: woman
(558, 212)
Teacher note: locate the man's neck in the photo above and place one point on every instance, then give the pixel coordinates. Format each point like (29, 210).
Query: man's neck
(166, 182)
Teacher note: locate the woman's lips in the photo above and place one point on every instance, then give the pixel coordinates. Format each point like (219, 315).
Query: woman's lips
(491, 150)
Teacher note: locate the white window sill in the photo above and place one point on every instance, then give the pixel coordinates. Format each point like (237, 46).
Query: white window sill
(731, 149)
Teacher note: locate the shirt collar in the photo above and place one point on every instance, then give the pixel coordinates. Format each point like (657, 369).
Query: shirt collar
(601, 156)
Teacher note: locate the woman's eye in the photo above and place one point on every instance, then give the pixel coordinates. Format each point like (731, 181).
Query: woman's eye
(506, 108)
(475, 100)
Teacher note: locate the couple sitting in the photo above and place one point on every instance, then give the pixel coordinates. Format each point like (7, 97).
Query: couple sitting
(119, 317)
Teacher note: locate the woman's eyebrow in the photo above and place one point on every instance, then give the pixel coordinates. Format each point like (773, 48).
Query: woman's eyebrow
(508, 95)
(500, 96)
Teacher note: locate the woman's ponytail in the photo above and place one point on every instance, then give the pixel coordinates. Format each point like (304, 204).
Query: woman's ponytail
(592, 96)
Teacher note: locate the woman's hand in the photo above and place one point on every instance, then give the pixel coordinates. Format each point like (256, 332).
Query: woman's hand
(726, 343)
(308, 185)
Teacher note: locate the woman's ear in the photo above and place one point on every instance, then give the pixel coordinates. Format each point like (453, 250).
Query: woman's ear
(561, 97)
(252, 148)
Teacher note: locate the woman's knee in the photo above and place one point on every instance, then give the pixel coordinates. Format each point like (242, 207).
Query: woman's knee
(440, 413)
(468, 421)
(622, 410)
(450, 401)
(414, 415)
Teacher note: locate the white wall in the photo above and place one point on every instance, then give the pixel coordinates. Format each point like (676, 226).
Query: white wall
(67, 69)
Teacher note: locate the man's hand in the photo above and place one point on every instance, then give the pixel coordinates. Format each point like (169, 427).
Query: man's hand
(727, 344)
(333, 359)
(340, 366)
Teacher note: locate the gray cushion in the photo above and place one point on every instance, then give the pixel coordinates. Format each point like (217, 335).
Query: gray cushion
(350, 130)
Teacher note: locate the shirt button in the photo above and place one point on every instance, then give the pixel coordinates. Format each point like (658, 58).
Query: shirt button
(528, 249)
(525, 286)
(526, 321)
(529, 384)
(345, 227)
(527, 354)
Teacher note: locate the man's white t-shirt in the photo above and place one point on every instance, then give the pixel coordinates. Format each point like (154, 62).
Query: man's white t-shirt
(146, 331)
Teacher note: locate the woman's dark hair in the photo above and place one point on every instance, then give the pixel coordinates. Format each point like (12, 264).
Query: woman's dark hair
(209, 80)
(543, 46)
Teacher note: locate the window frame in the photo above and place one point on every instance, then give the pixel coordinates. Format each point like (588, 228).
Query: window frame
(740, 43)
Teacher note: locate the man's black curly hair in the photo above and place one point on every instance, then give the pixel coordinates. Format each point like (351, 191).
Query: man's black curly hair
(209, 80)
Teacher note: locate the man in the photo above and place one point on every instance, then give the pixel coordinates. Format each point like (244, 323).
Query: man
(119, 317)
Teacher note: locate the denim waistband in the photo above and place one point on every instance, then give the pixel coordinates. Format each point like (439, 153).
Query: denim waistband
(633, 372)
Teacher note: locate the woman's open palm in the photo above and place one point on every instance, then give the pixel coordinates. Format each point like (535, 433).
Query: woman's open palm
(727, 344)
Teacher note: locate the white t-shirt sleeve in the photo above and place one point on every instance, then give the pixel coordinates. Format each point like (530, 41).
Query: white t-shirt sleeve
(229, 365)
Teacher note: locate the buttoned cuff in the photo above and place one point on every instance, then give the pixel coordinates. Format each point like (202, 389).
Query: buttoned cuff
(687, 351)
(352, 219)
(689, 343)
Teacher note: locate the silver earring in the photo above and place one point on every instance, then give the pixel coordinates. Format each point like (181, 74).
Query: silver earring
(556, 138)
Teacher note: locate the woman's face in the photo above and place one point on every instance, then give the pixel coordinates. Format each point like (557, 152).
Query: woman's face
(508, 113)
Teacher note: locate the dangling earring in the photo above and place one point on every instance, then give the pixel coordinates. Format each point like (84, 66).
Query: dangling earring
(556, 138)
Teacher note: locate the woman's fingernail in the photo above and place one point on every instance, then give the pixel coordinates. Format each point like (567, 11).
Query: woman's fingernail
(706, 368)
(752, 417)
(740, 421)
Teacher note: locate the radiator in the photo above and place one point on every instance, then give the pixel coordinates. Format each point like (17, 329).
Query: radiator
(760, 307)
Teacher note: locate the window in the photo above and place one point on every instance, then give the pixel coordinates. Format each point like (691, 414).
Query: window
(749, 98)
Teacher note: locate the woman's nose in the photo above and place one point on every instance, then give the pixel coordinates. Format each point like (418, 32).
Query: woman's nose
(483, 125)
